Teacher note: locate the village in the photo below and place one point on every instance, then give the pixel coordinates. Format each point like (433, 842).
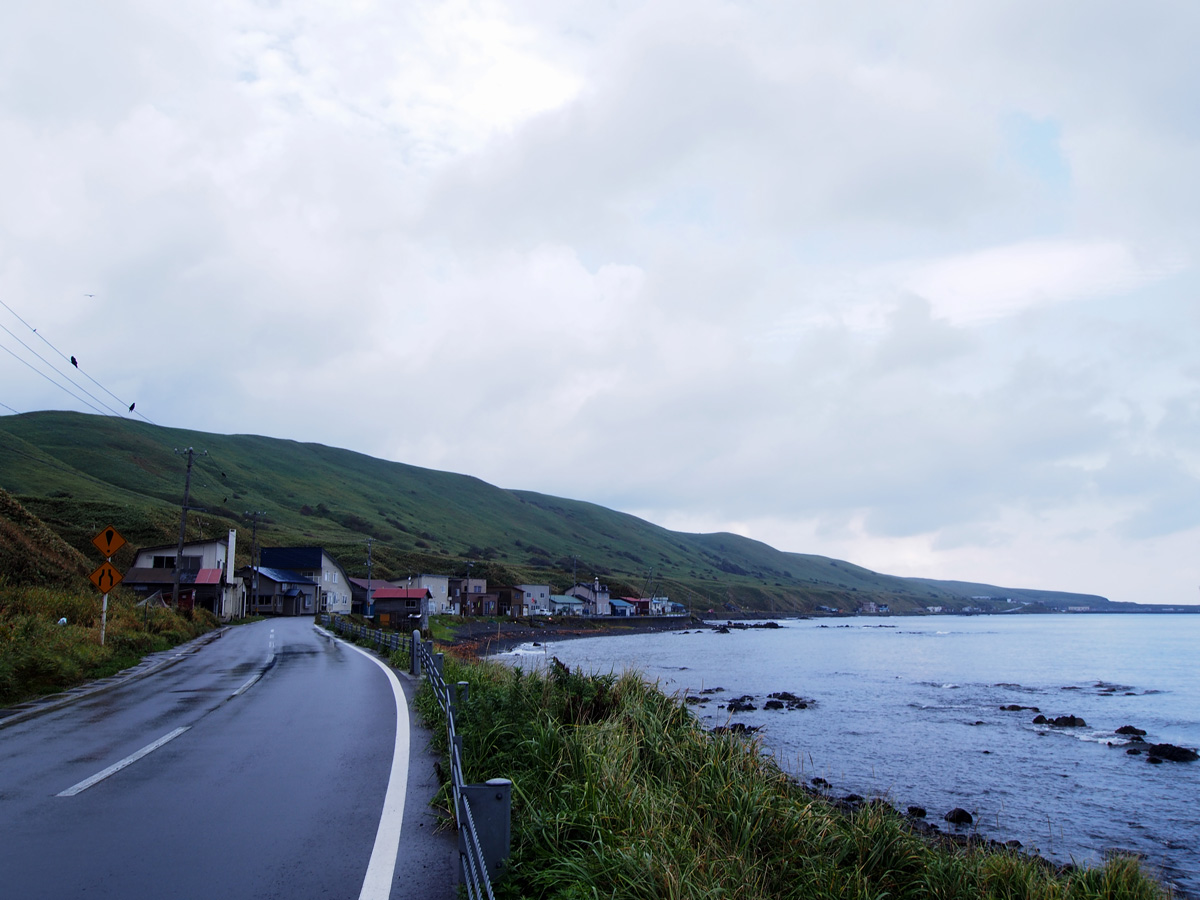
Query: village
(305, 581)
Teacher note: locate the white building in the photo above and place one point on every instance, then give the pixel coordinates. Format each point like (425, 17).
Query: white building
(438, 587)
(537, 598)
(594, 596)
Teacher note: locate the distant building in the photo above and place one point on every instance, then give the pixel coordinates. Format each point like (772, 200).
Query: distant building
(438, 587)
(594, 596)
(279, 592)
(464, 595)
(565, 605)
(333, 586)
(536, 599)
(400, 607)
(358, 592)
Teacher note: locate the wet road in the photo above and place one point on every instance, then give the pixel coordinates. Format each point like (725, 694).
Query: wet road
(277, 744)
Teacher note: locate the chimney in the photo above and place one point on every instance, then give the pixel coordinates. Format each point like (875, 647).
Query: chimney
(229, 563)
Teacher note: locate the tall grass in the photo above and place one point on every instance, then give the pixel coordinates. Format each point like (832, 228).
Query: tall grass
(618, 792)
(39, 656)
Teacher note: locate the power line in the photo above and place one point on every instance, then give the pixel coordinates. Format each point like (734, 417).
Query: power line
(51, 380)
(55, 368)
(9, 408)
(75, 364)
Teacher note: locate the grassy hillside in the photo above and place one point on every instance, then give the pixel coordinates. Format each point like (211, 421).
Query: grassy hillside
(79, 473)
(43, 581)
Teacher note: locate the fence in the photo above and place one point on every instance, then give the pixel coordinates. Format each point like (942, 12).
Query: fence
(481, 811)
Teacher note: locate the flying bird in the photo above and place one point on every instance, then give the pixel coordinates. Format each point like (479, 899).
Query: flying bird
(132, 405)
(74, 362)
(89, 295)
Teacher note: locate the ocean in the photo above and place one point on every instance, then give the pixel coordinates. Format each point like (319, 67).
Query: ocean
(909, 709)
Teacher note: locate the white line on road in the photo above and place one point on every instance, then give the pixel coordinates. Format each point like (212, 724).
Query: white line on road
(377, 884)
(253, 679)
(118, 766)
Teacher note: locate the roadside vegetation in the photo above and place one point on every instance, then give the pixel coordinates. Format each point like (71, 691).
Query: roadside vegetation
(618, 792)
(39, 656)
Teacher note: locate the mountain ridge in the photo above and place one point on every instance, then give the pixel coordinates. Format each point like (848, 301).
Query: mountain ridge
(72, 470)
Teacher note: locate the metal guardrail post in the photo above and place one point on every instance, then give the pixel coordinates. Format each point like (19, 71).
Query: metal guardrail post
(491, 813)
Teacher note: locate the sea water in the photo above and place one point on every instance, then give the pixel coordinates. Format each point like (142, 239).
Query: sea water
(910, 709)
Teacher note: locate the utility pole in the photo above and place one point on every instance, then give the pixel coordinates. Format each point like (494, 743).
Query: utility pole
(187, 489)
(254, 557)
(368, 613)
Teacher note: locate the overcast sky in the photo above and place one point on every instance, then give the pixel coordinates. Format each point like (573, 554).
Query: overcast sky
(912, 285)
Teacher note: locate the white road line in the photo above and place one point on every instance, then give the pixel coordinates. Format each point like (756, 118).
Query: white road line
(377, 885)
(118, 766)
(253, 680)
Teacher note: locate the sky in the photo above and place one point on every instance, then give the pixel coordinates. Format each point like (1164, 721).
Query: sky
(910, 285)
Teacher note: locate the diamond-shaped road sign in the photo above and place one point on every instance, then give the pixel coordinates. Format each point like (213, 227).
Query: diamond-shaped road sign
(106, 577)
(109, 541)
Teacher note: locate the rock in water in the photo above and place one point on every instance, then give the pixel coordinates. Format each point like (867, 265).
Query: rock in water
(958, 816)
(1173, 753)
(1129, 729)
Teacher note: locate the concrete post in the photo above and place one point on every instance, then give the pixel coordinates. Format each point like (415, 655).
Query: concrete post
(414, 658)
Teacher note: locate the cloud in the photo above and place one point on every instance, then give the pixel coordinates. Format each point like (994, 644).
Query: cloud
(909, 286)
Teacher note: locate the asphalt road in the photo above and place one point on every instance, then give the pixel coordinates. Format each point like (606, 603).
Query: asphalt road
(277, 743)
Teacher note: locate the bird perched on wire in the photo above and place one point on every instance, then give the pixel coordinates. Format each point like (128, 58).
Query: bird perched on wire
(74, 362)
(132, 405)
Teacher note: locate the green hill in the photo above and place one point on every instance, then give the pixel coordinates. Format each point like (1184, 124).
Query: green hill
(78, 473)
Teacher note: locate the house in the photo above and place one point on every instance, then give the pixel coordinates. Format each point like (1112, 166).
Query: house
(439, 590)
(400, 607)
(563, 605)
(358, 591)
(206, 578)
(536, 599)
(462, 595)
(619, 606)
(511, 601)
(279, 592)
(333, 586)
(476, 603)
(594, 596)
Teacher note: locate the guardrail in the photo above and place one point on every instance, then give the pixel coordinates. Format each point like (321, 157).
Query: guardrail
(483, 812)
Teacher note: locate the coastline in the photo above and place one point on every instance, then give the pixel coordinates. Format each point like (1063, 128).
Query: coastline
(482, 639)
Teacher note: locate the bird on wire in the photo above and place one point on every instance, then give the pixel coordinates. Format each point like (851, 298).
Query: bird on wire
(74, 362)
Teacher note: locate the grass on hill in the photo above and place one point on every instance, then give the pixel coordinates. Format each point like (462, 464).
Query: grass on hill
(79, 473)
(618, 792)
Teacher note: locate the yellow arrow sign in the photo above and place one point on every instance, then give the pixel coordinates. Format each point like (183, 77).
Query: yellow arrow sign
(106, 577)
(109, 541)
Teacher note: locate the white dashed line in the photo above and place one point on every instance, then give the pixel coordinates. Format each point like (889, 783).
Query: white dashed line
(253, 680)
(118, 766)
